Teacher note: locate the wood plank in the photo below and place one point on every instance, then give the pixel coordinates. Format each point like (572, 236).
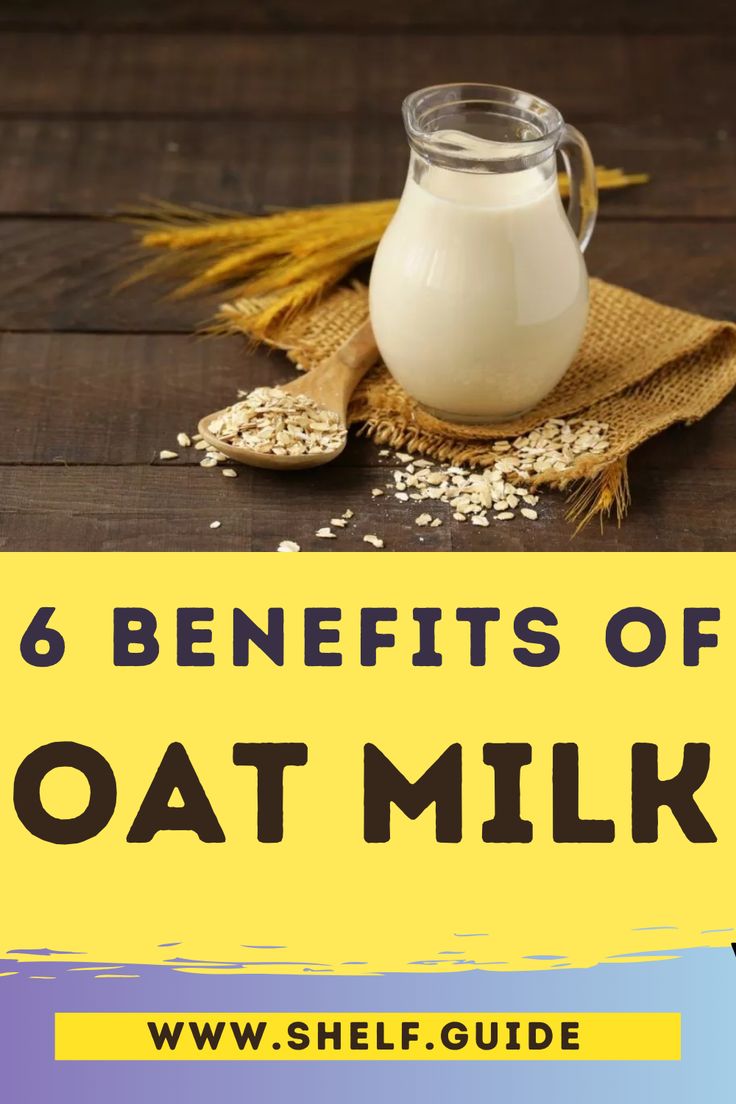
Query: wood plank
(92, 166)
(149, 509)
(64, 275)
(586, 76)
(210, 74)
(685, 264)
(409, 15)
(97, 399)
(59, 274)
(73, 403)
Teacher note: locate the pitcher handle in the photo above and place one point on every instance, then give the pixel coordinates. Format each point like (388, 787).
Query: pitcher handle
(582, 206)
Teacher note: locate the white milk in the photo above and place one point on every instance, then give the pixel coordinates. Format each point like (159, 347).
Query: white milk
(478, 294)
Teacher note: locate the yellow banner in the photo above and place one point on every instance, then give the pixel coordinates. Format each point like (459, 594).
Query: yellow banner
(383, 1036)
(238, 791)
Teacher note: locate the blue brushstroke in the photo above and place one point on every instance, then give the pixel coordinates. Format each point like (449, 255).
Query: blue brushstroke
(545, 958)
(41, 951)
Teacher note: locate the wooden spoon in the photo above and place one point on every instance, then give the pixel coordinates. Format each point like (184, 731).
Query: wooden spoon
(330, 385)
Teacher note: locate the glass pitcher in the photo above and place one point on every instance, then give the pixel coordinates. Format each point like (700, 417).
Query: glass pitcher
(479, 293)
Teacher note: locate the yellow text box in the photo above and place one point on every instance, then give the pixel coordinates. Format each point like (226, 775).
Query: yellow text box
(323, 899)
(383, 1036)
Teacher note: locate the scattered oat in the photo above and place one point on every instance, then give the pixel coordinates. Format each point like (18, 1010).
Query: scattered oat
(507, 482)
(272, 420)
(215, 524)
(269, 419)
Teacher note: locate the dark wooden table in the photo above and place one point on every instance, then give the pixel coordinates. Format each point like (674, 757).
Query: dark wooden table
(245, 104)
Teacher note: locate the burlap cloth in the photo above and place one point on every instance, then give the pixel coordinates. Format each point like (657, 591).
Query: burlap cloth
(641, 368)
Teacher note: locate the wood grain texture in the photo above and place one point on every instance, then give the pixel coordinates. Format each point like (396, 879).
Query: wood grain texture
(118, 399)
(407, 15)
(294, 104)
(150, 509)
(115, 400)
(603, 77)
(338, 74)
(65, 275)
(92, 166)
(83, 417)
(60, 274)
